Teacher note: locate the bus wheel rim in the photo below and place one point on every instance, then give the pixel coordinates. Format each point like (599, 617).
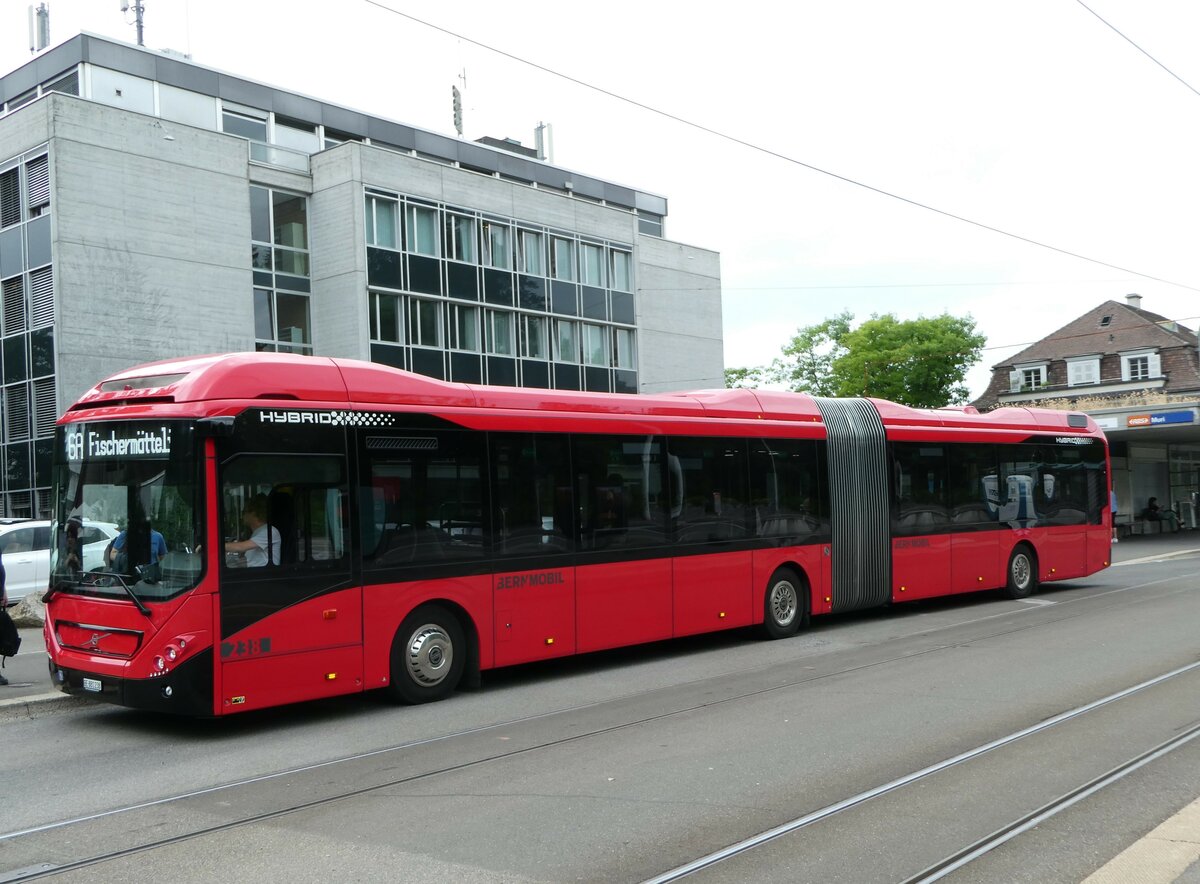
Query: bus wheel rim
(430, 655)
(1020, 571)
(783, 603)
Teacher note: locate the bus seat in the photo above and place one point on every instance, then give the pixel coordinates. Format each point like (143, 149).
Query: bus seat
(282, 516)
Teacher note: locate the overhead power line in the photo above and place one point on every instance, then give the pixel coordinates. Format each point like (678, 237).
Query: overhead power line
(773, 153)
(1135, 46)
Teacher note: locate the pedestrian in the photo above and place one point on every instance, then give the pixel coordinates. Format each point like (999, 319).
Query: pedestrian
(7, 621)
(1112, 505)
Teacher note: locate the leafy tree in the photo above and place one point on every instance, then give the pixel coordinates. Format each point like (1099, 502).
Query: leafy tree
(809, 358)
(920, 362)
(744, 377)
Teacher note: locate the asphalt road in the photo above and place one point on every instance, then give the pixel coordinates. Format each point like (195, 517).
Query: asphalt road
(624, 765)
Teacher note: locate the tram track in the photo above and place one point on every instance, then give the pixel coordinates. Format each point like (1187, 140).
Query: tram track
(1059, 612)
(961, 857)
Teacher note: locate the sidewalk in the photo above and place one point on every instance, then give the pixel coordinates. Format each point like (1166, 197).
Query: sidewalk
(1144, 546)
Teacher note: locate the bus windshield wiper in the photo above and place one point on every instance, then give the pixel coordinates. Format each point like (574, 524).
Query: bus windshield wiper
(105, 578)
(133, 595)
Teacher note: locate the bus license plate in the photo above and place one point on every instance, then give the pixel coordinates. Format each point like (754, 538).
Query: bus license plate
(91, 684)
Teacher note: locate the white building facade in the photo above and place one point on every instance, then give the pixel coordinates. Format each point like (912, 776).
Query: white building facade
(152, 208)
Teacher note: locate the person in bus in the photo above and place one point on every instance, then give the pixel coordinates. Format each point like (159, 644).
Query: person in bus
(1155, 513)
(262, 546)
(118, 559)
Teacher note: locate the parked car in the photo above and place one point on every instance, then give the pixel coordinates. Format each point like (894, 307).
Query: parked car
(25, 547)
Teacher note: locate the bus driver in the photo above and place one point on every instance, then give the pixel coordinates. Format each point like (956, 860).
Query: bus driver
(263, 544)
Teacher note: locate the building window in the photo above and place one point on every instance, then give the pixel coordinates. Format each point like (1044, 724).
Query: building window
(464, 328)
(497, 250)
(650, 224)
(1140, 366)
(10, 197)
(1081, 372)
(622, 271)
(591, 264)
(532, 252)
(279, 256)
(562, 258)
(281, 322)
(424, 323)
(624, 355)
(296, 135)
(1027, 377)
(595, 344)
(245, 125)
(533, 337)
(498, 333)
(420, 235)
(382, 214)
(385, 318)
(460, 238)
(566, 344)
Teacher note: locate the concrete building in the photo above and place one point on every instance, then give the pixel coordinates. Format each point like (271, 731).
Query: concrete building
(1138, 375)
(151, 207)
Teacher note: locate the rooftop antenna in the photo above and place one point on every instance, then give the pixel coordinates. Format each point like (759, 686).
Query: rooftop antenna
(456, 98)
(543, 139)
(39, 28)
(139, 9)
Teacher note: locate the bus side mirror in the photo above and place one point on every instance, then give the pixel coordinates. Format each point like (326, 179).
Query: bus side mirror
(214, 427)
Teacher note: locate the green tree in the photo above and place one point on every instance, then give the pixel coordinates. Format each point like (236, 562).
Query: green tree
(919, 362)
(744, 377)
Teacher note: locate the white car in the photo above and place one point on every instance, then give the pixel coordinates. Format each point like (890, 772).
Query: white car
(25, 547)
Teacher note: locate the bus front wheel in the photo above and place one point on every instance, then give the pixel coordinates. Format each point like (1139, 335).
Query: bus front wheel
(1022, 573)
(429, 654)
(784, 610)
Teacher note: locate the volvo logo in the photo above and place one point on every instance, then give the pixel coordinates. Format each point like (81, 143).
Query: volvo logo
(94, 641)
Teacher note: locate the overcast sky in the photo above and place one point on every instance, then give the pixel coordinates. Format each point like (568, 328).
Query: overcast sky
(1030, 116)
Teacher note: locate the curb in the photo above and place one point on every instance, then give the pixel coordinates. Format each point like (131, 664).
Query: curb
(1156, 558)
(49, 703)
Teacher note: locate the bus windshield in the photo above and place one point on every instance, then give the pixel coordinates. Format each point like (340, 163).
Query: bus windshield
(128, 513)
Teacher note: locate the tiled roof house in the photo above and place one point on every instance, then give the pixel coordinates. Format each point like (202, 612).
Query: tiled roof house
(1115, 355)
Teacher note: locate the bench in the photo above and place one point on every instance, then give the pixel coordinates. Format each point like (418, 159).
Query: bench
(1141, 525)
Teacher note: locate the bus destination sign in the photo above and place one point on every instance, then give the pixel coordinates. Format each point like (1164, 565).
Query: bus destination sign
(89, 444)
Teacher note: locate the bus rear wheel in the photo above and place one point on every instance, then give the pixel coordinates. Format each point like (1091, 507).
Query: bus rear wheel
(429, 654)
(1022, 573)
(784, 609)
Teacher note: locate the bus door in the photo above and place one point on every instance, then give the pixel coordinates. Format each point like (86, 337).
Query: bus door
(623, 583)
(532, 539)
(921, 538)
(1069, 497)
(290, 614)
(789, 517)
(975, 518)
(710, 518)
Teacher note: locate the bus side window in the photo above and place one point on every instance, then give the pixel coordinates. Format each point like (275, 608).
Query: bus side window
(304, 497)
(531, 483)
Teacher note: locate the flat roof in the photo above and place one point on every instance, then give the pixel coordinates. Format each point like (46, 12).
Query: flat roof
(185, 74)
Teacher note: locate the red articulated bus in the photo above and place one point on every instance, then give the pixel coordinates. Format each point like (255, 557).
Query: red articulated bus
(419, 532)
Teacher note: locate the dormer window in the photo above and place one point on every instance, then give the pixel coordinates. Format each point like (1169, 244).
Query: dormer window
(1027, 377)
(1140, 366)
